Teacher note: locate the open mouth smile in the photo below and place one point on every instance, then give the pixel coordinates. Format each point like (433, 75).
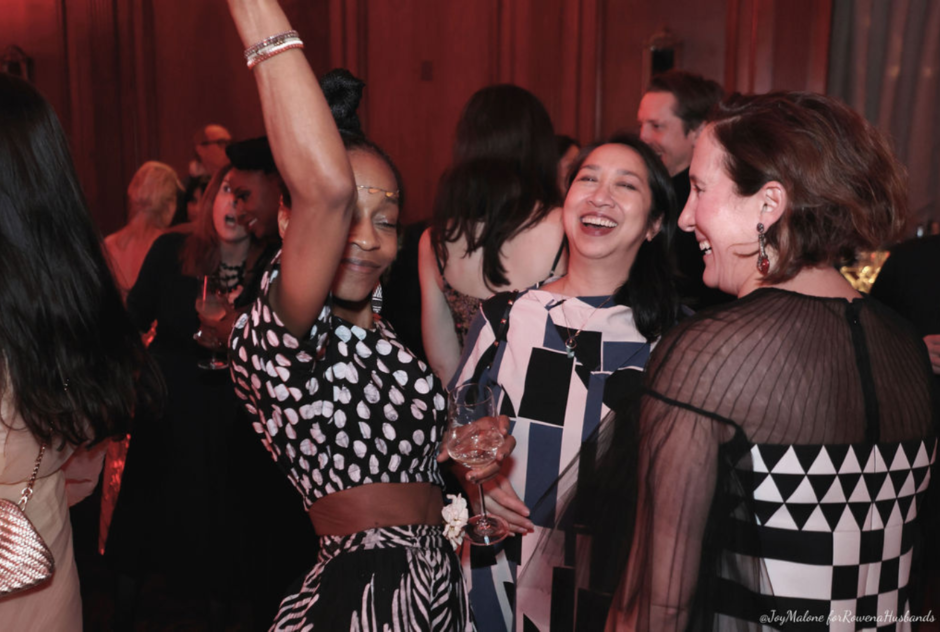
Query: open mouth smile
(598, 221)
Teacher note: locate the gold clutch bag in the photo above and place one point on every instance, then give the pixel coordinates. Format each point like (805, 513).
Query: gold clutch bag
(25, 560)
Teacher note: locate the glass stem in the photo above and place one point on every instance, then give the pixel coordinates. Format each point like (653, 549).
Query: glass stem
(482, 500)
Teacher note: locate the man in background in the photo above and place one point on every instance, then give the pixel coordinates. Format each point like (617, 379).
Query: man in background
(210, 144)
(671, 117)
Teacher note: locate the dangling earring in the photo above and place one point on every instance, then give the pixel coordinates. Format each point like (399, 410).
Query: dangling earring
(377, 299)
(763, 263)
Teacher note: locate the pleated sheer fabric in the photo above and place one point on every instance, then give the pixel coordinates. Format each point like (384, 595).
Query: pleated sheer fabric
(778, 470)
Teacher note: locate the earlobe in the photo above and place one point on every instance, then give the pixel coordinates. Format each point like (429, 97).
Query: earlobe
(654, 230)
(283, 220)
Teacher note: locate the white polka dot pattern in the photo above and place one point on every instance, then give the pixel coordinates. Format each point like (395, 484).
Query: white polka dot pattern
(345, 407)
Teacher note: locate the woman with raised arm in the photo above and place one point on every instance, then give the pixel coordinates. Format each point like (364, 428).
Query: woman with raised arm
(786, 438)
(353, 419)
(497, 218)
(73, 369)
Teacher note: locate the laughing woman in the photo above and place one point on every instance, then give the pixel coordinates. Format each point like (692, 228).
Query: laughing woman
(786, 438)
(352, 418)
(562, 356)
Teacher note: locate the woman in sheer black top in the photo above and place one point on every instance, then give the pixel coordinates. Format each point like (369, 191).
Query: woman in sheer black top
(786, 439)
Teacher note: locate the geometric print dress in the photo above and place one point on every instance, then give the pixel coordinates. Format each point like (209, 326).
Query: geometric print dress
(785, 449)
(841, 522)
(342, 408)
(556, 401)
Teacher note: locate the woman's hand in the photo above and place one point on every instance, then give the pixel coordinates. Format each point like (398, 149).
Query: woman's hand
(502, 501)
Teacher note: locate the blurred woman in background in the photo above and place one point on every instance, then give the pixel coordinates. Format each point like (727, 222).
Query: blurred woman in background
(151, 205)
(497, 218)
(177, 464)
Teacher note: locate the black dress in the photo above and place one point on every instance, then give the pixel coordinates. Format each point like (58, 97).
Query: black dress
(786, 444)
(174, 513)
(784, 448)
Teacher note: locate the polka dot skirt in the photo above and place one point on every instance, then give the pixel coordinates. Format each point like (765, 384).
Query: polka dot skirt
(345, 407)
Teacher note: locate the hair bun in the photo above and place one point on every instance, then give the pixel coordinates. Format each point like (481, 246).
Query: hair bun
(343, 91)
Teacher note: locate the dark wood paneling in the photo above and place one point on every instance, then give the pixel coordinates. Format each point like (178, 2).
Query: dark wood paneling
(777, 45)
(626, 28)
(36, 27)
(133, 79)
(422, 61)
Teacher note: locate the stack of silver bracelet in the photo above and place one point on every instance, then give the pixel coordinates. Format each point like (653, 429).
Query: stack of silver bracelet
(271, 46)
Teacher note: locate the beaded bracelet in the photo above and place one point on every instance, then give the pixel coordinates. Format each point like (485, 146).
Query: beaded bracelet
(271, 46)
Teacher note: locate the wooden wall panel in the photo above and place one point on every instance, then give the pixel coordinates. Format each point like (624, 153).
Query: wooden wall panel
(36, 27)
(133, 79)
(628, 25)
(774, 45)
(200, 72)
(419, 74)
(421, 71)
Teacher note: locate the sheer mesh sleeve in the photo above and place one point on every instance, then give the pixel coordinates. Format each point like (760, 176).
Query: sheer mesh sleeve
(773, 368)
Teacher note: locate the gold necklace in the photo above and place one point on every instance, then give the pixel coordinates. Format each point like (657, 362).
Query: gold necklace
(571, 343)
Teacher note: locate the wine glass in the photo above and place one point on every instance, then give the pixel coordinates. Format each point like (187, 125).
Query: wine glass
(473, 438)
(212, 305)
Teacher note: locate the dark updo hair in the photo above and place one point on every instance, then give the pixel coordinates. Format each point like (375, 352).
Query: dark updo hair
(343, 92)
(649, 288)
(846, 191)
(504, 176)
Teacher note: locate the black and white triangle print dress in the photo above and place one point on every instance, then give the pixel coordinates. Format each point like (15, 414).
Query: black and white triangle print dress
(786, 447)
(347, 407)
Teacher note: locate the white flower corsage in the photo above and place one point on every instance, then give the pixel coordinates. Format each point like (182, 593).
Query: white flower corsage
(455, 517)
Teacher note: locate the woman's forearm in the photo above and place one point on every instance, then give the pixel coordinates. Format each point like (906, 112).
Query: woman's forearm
(311, 158)
(306, 145)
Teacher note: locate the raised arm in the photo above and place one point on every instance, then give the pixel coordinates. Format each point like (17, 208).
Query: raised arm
(311, 158)
(440, 339)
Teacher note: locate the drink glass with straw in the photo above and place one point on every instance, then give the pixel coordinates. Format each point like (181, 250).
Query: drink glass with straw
(473, 439)
(212, 305)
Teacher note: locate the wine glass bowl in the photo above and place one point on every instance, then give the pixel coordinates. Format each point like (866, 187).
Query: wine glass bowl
(473, 439)
(212, 307)
(476, 444)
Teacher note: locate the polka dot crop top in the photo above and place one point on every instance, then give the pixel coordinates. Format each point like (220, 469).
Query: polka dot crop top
(343, 408)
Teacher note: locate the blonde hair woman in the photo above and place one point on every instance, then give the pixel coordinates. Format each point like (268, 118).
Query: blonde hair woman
(151, 204)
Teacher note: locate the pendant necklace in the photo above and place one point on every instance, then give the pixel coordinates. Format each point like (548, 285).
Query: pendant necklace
(571, 343)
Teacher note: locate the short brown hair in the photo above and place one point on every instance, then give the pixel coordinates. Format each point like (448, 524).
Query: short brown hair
(846, 191)
(695, 95)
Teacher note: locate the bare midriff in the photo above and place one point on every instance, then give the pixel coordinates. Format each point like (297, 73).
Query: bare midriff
(377, 505)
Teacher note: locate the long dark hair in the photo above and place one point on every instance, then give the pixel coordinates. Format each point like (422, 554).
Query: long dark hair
(504, 176)
(73, 366)
(649, 290)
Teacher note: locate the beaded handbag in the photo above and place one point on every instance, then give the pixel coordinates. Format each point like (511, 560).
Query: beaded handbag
(25, 560)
